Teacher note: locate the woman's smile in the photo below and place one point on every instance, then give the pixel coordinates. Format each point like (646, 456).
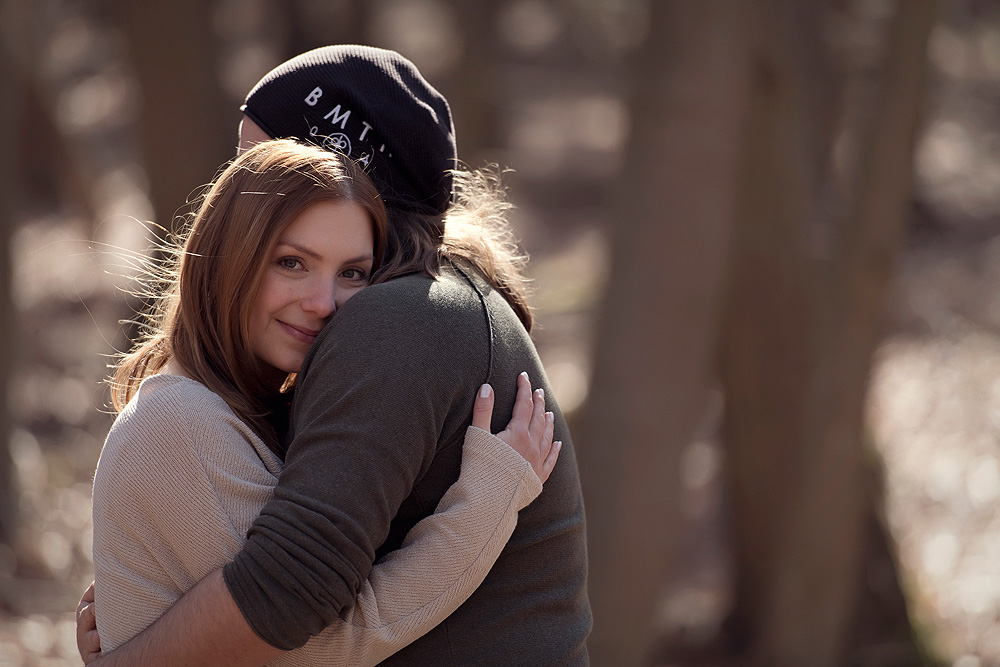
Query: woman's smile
(303, 334)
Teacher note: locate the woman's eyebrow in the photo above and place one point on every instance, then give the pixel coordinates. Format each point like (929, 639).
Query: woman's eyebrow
(300, 248)
(306, 251)
(361, 258)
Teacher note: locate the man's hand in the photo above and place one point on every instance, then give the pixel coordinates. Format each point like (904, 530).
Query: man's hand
(88, 642)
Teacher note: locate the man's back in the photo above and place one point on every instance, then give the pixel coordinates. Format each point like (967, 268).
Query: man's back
(532, 608)
(378, 423)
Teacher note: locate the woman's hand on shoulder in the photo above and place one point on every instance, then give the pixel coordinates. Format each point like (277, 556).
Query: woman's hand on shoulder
(530, 428)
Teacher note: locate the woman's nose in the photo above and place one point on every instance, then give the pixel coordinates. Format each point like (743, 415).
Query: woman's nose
(322, 301)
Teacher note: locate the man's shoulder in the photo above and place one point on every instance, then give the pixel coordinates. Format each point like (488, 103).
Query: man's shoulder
(411, 324)
(448, 300)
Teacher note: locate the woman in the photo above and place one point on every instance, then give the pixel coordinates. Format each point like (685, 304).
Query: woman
(285, 236)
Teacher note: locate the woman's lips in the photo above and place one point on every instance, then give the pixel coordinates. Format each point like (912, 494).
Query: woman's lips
(306, 336)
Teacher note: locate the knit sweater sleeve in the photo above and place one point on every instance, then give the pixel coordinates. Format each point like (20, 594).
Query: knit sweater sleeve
(180, 480)
(444, 558)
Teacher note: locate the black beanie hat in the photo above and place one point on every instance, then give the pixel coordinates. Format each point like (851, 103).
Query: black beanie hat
(371, 104)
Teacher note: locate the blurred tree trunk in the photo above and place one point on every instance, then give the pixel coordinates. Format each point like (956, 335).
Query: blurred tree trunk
(474, 87)
(187, 128)
(803, 323)
(362, 18)
(9, 101)
(352, 25)
(657, 334)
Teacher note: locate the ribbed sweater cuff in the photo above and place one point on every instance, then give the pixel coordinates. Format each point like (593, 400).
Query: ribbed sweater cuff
(500, 465)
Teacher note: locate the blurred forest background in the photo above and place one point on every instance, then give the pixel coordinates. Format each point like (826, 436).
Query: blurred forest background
(765, 239)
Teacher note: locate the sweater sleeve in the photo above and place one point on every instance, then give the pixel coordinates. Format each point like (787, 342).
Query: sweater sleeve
(441, 563)
(178, 483)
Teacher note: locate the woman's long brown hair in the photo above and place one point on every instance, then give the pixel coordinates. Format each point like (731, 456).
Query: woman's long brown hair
(212, 280)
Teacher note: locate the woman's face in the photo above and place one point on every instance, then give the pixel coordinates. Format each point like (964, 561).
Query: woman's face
(320, 261)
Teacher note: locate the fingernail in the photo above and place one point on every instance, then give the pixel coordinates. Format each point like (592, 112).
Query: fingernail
(549, 417)
(485, 391)
(524, 374)
(541, 393)
(557, 444)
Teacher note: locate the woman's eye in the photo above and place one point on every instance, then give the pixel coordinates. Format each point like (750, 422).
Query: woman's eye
(355, 274)
(288, 263)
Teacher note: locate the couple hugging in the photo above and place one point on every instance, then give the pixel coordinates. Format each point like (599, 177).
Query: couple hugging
(306, 468)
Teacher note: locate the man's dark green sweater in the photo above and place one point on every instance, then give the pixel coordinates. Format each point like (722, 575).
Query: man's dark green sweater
(378, 420)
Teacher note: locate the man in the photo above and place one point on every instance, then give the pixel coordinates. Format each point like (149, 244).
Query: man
(381, 408)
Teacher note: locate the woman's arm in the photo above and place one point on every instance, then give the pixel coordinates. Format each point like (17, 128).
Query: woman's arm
(447, 555)
(471, 526)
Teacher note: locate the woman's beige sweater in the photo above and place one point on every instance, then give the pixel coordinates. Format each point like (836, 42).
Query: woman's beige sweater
(181, 479)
